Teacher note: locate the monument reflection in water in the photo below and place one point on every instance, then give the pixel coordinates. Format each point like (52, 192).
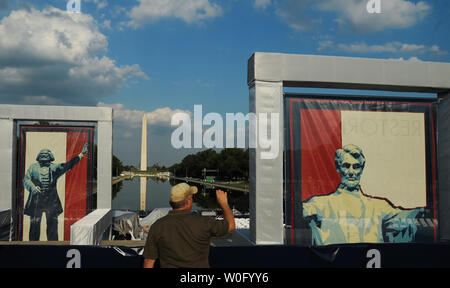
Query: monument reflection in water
(126, 196)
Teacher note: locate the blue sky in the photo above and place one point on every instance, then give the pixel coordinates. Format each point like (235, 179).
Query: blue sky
(163, 56)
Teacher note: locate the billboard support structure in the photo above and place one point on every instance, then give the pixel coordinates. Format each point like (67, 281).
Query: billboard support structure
(270, 73)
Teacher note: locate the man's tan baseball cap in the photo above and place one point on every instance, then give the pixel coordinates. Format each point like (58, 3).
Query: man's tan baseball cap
(180, 191)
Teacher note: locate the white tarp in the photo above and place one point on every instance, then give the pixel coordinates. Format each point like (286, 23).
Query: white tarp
(5, 224)
(154, 215)
(89, 229)
(126, 222)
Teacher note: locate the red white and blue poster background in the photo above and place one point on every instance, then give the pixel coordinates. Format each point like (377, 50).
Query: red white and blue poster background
(398, 141)
(74, 187)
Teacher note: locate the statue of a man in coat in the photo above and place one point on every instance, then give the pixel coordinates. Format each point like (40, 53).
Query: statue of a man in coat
(40, 180)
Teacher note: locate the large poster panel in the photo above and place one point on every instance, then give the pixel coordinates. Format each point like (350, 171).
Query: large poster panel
(55, 182)
(360, 171)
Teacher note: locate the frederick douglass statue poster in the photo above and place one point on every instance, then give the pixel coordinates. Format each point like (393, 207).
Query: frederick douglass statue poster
(55, 182)
(360, 171)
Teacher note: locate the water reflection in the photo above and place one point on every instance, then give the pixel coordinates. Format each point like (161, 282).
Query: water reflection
(126, 196)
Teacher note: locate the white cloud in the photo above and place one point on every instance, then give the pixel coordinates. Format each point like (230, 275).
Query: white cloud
(413, 48)
(261, 4)
(100, 3)
(412, 59)
(352, 15)
(55, 57)
(435, 49)
(395, 14)
(51, 35)
(189, 11)
(364, 48)
(389, 47)
(106, 24)
(127, 127)
(133, 118)
(297, 14)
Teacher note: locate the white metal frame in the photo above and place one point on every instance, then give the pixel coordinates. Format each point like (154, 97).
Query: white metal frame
(269, 73)
(10, 114)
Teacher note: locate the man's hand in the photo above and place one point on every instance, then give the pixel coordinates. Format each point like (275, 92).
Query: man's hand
(222, 198)
(149, 263)
(36, 190)
(84, 151)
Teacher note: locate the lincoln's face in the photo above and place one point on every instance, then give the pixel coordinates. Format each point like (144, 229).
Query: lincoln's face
(351, 170)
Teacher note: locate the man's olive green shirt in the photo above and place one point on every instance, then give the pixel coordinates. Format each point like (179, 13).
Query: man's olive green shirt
(181, 239)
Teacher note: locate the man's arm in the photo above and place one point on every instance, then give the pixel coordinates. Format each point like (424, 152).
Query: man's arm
(151, 253)
(64, 167)
(227, 213)
(149, 263)
(84, 151)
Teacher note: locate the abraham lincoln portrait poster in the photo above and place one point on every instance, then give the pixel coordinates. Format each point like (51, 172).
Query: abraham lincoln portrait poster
(360, 171)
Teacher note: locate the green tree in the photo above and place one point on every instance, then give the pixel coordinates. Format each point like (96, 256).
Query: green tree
(231, 162)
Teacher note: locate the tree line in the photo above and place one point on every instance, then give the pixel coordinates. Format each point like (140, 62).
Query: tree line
(232, 163)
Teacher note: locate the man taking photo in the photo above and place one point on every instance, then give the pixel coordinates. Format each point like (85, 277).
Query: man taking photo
(181, 239)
